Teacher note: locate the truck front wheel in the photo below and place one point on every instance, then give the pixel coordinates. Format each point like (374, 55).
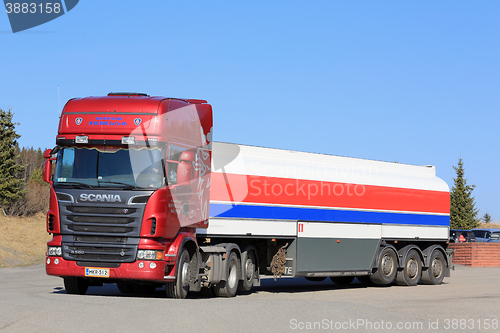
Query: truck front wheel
(180, 287)
(229, 287)
(75, 285)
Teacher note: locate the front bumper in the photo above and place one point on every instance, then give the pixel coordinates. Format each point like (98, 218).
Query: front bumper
(126, 271)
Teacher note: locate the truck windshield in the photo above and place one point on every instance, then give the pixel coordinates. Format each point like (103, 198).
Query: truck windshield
(110, 167)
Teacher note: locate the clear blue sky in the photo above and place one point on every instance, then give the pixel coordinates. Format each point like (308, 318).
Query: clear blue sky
(410, 81)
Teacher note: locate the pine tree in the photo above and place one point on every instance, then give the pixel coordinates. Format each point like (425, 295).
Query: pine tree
(463, 211)
(486, 217)
(11, 188)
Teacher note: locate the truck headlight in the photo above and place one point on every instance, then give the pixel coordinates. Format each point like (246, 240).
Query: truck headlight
(81, 139)
(128, 140)
(149, 255)
(54, 251)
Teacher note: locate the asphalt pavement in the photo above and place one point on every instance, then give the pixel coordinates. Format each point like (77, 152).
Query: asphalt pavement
(468, 301)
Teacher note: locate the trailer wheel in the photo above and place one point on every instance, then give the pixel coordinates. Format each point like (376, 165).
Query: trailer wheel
(76, 285)
(342, 280)
(229, 287)
(180, 287)
(435, 272)
(412, 270)
(386, 270)
(250, 269)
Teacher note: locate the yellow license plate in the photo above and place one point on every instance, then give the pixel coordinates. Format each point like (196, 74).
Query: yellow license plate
(97, 272)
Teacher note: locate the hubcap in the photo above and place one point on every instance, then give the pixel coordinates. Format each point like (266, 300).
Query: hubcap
(387, 265)
(437, 267)
(185, 274)
(249, 269)
(412, 268)
(232, 278)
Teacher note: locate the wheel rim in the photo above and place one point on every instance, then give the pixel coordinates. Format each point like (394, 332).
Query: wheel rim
(412, 268)
(232, 279)
(185, 274)
(387, 265)
(249, 269)
(437, 267)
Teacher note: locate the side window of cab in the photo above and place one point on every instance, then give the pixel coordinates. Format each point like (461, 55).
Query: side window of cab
(173, 161)
(180, 164)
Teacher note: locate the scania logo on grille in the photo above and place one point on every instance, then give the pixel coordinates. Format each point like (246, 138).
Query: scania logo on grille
(122, 253)
(125, 211)
(100, 197)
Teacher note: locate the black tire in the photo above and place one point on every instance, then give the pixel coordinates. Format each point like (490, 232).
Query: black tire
(229, 287)
(342, 280)
(315, 278)
(180, 287)
(434, 274)
(250, 272)
(125, 288)
(76, 285)
(412, 270)
(387, 267)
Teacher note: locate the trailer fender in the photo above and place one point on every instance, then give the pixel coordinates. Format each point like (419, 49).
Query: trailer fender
(403, 252)
(377, 257)
(427, 253)
(427, 257)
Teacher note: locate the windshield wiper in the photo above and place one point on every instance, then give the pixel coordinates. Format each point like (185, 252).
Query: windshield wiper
(119, 183)
(73, 184)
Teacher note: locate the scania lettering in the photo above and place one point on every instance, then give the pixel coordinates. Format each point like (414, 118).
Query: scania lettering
(142, 197)
(100, 197)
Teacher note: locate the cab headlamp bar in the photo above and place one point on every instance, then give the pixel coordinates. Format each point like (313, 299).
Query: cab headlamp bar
(126, 141)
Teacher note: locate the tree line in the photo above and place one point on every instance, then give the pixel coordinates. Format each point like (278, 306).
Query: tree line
(23, 192)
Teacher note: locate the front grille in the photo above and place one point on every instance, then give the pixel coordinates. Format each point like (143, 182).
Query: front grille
(100, 239)
(94, 248)
(100, 229)
(95, 252)
(101, 232)
(118, 220)
(101, 210)
(101, 219)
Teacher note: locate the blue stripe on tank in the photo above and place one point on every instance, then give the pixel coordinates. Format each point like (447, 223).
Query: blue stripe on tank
(318, 214)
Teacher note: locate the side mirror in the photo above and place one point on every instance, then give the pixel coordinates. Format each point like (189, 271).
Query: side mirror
(185, 168)
(47, 166)
(47, 171)
(46, 153)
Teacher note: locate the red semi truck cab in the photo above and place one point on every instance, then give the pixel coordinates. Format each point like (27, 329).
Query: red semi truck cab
(131, 184)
